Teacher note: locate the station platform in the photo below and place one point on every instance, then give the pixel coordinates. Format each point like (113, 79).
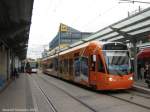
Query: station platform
(19, 94)
(16, 97)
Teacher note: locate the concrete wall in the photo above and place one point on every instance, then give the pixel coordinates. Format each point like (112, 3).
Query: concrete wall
(8, 61)
(3, 65)
(9, 64)
(17, 63)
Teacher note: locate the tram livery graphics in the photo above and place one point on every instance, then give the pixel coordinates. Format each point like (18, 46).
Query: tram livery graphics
(101, 65)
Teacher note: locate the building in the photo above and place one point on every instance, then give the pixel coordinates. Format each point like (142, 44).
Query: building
(66, 36)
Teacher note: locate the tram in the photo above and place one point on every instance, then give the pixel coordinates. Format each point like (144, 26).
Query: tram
(99, 65)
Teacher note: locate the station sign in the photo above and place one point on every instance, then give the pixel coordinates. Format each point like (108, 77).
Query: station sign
(63, 28)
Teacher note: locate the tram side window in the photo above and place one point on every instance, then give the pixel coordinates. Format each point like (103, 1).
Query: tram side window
(66, 66)
(71, 66)
(60, 66)
(51, 65)
(100, 65)
(84, 66)
(56, 64)
(77, 67)
(45, 66)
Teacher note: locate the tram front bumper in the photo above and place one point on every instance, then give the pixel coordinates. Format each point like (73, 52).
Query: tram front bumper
(116, 83)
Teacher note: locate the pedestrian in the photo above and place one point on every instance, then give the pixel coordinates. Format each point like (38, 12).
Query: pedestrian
(15, 73)
(139, 72)
(22, 69)
(146, 70)
(28, 68)
(30, 71)
(142, 71)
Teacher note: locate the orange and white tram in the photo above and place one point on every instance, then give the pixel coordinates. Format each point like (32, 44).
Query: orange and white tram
(100, 65)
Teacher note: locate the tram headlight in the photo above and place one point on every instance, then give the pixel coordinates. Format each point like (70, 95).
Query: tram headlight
(130, 78)
(110, 79)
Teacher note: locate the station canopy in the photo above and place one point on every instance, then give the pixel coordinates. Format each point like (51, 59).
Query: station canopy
(130, 29)
(15, 20)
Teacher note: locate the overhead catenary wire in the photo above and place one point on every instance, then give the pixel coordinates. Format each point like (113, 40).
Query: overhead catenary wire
(100, 15)
(133, 1)
(111, 8)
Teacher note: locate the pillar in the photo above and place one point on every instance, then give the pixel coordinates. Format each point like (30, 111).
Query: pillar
(135, 59)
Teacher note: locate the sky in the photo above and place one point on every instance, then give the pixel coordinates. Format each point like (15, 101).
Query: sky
(83, 15)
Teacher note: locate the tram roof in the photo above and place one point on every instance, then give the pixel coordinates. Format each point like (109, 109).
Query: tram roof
(55, 52)
(15, 20)
(133, 28)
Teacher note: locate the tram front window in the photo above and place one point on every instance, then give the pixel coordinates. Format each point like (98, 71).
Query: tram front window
(118, 62)
(33, 65)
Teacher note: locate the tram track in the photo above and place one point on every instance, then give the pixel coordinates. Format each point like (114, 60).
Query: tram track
(131, 102)
(132, 94)
(105, 93)
(67, 93)
(52, 107)
(135, 93)
(113, 94)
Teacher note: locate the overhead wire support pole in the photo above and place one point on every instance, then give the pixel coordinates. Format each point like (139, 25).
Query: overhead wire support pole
(59, 49)
(133, 1)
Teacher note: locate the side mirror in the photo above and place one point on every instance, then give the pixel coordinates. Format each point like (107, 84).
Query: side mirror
(94, 58)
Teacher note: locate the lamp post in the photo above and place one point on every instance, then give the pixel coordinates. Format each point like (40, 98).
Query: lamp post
(59, 37)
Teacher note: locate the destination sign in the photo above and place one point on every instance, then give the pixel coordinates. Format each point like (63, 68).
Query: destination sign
(114, 46)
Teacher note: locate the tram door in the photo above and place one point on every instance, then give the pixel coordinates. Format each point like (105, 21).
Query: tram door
(84, 68)
(71, 69)
(92, 70)
(101, 77)
(77, 69)
(81, 69)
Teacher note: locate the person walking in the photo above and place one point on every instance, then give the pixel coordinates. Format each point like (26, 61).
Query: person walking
(146, 70)
(16, 75)
(28, 68)
(142, 71)
(139, 75)
(147, 73)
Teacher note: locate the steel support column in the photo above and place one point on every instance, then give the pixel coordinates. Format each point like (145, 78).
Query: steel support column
(135, 58)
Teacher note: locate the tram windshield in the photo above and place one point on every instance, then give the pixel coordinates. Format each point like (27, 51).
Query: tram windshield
(118, 62)
(33, 65)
